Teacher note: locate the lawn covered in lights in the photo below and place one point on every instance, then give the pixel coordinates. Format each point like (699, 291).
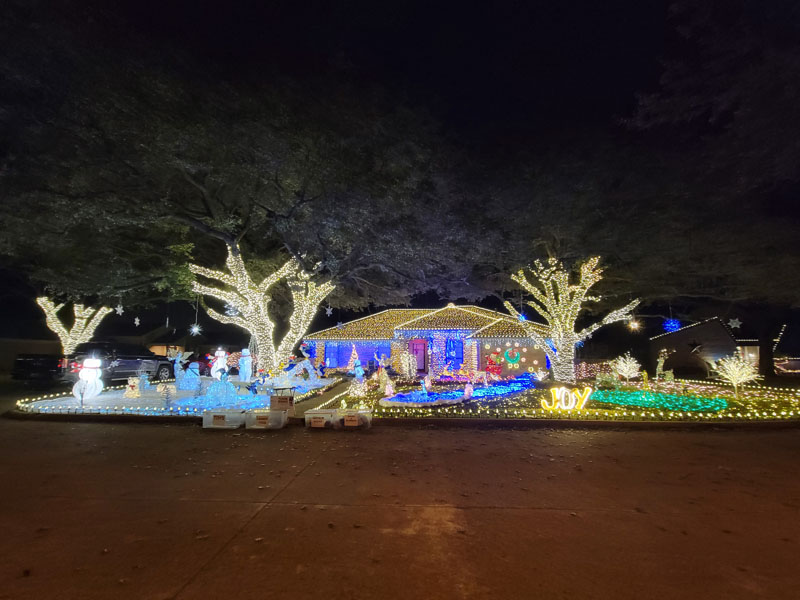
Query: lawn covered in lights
(679, 400)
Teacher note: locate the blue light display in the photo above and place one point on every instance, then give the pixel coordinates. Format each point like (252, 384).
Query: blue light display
(672, 325)
(494, 390)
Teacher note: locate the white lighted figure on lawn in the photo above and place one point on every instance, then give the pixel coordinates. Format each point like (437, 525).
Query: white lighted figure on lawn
(220, 364)
(245, 366)
(567, 399)
(132, 389)
(89, 383)
(468, 391)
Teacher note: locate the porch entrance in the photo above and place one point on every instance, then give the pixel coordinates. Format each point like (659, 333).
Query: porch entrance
(419, 348)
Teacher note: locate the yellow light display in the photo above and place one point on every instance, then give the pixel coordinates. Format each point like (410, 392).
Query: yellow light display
(567, 399)
(560, 302)
(86, 320)
(251, 301)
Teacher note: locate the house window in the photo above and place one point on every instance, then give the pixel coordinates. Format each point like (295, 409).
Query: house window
(454, 353)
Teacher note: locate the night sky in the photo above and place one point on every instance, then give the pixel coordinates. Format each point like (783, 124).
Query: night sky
(489, 73)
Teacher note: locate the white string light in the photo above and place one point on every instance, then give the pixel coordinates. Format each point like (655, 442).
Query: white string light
(252, 301)
(560, 302)
(86, 321)
(736, 370)
(626, 365)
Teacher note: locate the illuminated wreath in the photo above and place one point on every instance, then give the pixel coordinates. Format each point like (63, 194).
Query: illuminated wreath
(516, 359)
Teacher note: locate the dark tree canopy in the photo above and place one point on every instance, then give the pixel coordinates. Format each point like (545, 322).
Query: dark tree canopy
(133, 160)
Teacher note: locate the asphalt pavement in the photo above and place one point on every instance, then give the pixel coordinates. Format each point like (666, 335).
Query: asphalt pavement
(171, 511)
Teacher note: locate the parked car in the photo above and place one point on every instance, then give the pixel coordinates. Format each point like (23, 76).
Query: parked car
(37, 368)
(119, 361)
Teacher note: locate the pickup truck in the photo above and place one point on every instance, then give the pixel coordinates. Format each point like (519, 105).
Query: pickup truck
(119, 361)
(37, 368)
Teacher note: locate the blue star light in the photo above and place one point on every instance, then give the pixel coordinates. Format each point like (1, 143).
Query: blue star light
(672, 325)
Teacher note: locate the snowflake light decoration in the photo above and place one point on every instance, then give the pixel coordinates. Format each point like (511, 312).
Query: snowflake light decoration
(672, 325)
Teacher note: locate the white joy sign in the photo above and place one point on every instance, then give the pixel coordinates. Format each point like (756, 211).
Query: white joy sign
(567, 399)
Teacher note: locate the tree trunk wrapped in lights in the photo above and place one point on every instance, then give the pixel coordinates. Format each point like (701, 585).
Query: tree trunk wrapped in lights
(560, 303)
(252, 301)
(86, 320)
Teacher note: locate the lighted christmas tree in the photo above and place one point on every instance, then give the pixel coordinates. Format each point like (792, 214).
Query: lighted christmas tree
(560, 302)
(351, 364)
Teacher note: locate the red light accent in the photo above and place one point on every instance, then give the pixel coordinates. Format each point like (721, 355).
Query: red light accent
(75, 367)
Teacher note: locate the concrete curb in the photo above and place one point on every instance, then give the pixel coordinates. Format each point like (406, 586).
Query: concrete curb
(438, 422)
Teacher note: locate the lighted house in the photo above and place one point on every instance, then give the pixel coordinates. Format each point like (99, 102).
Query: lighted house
(465, 337)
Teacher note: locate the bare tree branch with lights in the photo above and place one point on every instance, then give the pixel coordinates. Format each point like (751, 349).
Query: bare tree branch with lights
(736, 370)
(86, 320)
(252, 300)
(560, 303)
(627, 366)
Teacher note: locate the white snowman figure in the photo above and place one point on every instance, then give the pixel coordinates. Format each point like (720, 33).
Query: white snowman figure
(245, 366)
(220, 364)
(89, 383)
(468, 390)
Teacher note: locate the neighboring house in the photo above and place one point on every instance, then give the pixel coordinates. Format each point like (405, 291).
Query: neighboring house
(697, 346)
(462, 336)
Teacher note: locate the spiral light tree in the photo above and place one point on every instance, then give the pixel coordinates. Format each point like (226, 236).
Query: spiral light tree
(560, 302)
(251, 302)
(85, 321)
